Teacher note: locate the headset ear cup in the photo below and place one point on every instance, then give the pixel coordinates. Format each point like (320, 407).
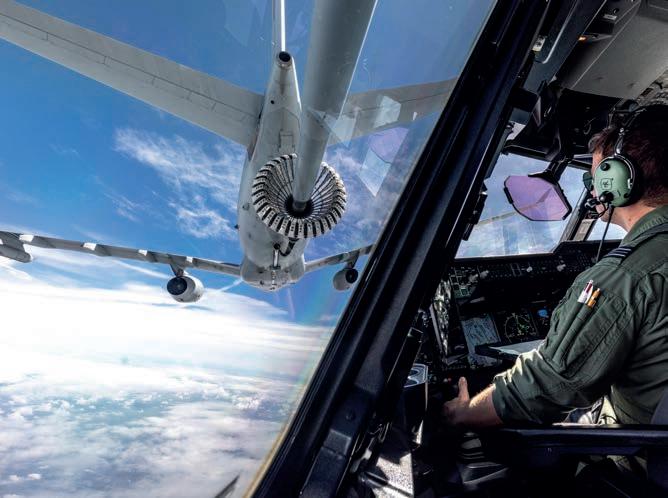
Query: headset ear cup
(613, 179)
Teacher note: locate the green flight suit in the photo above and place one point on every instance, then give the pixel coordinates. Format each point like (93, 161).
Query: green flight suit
(618, 348)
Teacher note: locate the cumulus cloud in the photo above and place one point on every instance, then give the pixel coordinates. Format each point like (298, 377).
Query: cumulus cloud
(121, 391)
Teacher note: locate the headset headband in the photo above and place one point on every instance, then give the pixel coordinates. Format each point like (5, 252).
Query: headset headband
(619, 144)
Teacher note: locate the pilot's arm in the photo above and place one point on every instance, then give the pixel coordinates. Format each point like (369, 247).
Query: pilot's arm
(574, 366)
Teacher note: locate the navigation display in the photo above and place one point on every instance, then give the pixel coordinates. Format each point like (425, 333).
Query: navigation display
(515, 325)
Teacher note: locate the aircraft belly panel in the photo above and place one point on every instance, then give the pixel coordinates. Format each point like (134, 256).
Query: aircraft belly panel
(271, 279)
(278, 134)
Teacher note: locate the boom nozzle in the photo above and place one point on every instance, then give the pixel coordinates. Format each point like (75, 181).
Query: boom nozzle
(299, 206)
(284, 58)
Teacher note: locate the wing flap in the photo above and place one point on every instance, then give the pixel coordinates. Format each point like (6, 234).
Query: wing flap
(209, 102)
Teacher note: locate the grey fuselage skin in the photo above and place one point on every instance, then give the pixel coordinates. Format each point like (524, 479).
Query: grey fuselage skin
(278, 123)
(288, 125)
(278, 134)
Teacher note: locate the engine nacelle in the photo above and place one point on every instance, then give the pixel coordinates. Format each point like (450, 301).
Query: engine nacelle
(185, 289)
(345, 278)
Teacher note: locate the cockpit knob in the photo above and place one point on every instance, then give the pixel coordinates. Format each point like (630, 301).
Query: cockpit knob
(561, 267)
(484, 274)
(529, 269)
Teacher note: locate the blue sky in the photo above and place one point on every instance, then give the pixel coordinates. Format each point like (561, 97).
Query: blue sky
(94, 353)
(70, 146)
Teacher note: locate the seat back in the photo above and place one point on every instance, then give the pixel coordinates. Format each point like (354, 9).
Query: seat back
(657, 459)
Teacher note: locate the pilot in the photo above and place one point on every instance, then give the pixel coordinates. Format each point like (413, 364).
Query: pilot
(608, 337)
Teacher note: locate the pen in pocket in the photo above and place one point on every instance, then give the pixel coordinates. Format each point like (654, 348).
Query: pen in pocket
(594, 297)
(586, 292)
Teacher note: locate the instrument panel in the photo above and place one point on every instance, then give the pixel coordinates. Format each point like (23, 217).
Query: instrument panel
(502, 301)
(570, 258)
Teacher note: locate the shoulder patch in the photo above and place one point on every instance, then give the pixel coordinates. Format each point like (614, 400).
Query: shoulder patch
(621, 252)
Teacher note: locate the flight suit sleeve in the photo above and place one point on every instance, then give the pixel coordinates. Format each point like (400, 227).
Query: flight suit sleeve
(580, 357)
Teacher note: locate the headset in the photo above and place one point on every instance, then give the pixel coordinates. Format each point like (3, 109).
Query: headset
(615, 178)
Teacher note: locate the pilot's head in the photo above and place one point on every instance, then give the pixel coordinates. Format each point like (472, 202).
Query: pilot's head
(645, 145)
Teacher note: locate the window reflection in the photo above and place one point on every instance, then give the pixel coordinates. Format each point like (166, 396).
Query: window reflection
(501, 230)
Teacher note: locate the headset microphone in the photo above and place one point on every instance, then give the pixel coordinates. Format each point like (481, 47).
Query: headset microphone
(591, 203)
(605, 198)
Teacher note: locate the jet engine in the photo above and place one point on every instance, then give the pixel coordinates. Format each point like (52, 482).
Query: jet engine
(185, 289)
(345, 278)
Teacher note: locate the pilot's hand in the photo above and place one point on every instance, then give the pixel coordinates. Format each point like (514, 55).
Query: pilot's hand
(455, 409)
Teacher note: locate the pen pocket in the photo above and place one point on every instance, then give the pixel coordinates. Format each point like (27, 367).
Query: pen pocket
(572, 342)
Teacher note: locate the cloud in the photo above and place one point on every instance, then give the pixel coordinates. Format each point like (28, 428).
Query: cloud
(234, 284)
(21, 198)
(13, 194)
(205, 184)
(144, 271)
(88, 265)
(186, 165)
(124, 206)
(10, 267)
(65, 151)
(105, 393)
(201, 221)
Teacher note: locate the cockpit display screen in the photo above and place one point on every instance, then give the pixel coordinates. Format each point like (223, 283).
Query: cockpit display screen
(479, 330)
(515, 325)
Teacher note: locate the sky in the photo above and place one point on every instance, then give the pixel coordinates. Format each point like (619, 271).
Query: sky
(107, 386)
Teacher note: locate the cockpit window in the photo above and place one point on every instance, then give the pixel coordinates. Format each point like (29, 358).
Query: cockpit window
(614, 231)
(501, 231)
(108, 385)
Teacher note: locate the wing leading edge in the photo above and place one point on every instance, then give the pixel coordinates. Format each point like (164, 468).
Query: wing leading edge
(209, 102)
(12, 245)
(17, 241)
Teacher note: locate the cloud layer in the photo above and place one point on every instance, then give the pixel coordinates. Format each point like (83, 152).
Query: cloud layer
(122, 392)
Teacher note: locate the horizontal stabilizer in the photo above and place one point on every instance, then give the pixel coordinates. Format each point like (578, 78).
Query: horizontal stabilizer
(209, 102)
(376, 110)
(173, 260)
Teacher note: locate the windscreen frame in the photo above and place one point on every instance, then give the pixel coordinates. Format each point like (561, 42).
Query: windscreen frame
(423, 235)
